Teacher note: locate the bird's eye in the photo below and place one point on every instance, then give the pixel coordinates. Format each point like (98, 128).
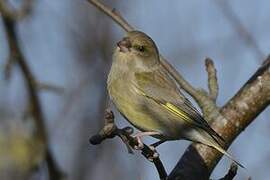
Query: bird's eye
(139, 48)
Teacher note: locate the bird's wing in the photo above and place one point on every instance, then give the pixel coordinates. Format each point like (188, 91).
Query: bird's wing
(159, 87)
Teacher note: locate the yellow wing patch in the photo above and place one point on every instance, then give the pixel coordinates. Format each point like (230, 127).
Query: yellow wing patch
(176, 111)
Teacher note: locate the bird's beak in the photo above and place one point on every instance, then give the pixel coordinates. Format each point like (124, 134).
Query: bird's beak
(124, 45)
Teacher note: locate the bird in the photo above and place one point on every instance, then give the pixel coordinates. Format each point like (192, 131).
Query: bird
(148, 97)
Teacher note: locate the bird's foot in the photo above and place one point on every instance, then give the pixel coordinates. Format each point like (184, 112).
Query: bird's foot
(139, 136)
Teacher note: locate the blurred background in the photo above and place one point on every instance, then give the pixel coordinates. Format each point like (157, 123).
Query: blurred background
(69, 44)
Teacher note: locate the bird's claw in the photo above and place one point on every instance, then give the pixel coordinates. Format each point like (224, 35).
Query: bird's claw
(139, 145)
(154, 155)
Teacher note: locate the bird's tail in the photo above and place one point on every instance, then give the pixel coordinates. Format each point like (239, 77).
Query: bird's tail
(220, 149)
(206, 139)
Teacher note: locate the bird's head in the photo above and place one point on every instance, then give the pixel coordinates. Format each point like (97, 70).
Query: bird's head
(139, 47)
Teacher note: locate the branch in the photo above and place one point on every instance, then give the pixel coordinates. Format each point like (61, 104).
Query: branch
(17, 56)
(198, 161)
(110, 130)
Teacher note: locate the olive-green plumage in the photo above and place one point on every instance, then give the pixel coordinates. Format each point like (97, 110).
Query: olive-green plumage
(146, 95)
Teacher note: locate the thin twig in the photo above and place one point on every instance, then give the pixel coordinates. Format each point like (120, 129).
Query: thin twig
(110, 130)
(112, 13)
(212, 79)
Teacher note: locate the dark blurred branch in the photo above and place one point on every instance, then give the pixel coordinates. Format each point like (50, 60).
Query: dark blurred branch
(18, 57)
(231, 173)
(240, 28)
(199, 160)
(110, 130)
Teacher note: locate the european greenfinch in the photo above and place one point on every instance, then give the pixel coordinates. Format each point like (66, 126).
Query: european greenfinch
(147, 96)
